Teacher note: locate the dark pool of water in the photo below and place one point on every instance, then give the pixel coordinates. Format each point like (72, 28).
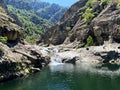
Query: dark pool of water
(67, 77)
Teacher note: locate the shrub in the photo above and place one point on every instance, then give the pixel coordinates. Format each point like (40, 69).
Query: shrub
(3, 39)
(88, 15)
(89, 12)
(89, 42)
(68, 28)
(91, 3)
(30, 40)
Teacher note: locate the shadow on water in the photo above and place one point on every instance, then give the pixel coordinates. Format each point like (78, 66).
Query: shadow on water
(108, 66)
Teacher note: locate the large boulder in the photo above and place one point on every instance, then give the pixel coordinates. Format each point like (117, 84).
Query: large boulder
(8, 27)
(71, 60)
(108, 56)
(12, 34)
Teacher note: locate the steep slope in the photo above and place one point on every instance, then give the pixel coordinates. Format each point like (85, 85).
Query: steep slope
(8, 28)
(58, 33)
(87, 20)
(101, 23)
(16, 58)
(42, 9)
(34, 16)
(50, 12)
(33, 25)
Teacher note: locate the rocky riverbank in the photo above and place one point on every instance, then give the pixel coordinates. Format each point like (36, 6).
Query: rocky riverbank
(107, 53)
(22, 60)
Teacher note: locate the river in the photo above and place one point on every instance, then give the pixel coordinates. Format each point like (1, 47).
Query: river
(68, 77)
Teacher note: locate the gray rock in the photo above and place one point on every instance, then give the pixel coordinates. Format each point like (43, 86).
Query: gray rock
(34, 70)
(108, 56)
(71, 60)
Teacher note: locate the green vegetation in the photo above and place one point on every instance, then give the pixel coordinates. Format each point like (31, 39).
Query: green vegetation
(31, 29)
(68, 28)
(3, 39)
(89, 42)
(30, 39)
(90, 10)
(88, 15)
(34, 16)
(51, 12)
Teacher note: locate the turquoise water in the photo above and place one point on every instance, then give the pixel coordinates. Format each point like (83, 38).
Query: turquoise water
(68, 77)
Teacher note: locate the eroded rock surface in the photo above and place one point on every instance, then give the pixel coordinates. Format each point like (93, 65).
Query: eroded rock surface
(71, 29)
(8, 27)
(21, 60)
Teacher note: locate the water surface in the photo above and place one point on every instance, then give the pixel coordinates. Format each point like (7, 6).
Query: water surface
(68, 77)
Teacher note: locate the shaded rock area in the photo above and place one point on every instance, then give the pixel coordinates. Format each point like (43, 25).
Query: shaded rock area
(8, 27)
(110, 56)
(71, 60)
(106, 24)
(11, 33)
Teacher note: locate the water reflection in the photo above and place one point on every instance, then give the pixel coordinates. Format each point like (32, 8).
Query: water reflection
(108, 66)
(69, 77)
(62, 68)
(111, 70)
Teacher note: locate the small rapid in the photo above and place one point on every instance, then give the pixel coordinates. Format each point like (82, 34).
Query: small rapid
(55, 59)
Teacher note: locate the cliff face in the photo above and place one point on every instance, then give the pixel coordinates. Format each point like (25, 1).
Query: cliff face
(58, 33)
(96, 18)
(8, 28)
(106, 25)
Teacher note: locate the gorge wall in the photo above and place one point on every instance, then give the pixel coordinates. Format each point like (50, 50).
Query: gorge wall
(97, 19)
